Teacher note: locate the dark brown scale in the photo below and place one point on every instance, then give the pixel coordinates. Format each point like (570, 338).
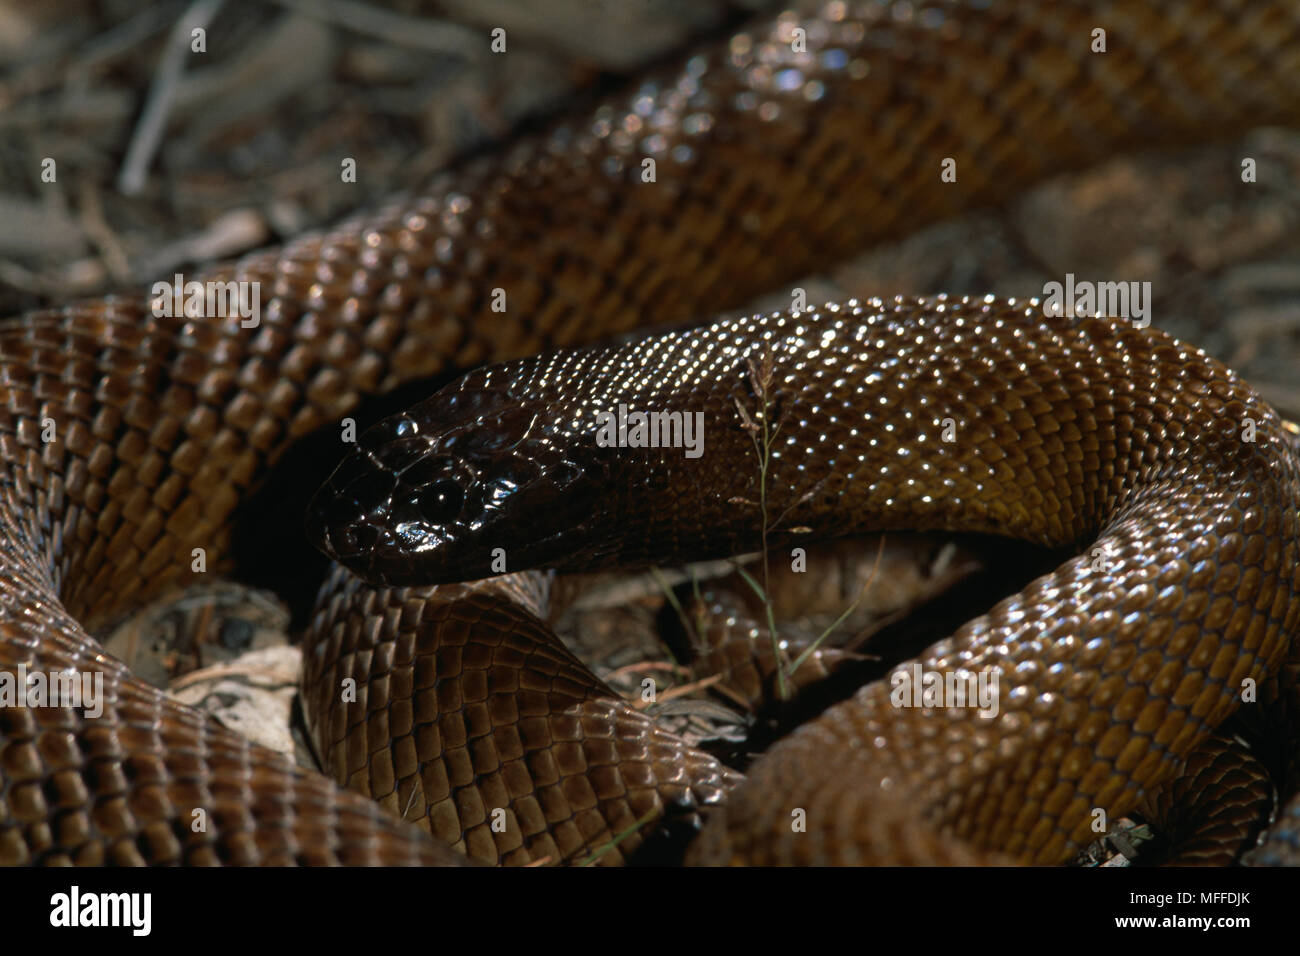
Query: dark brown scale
(1211, 813)
(468, 706)
(1114, 440)
(768, 163)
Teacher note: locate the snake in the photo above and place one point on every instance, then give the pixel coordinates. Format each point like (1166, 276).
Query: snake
(434, 685)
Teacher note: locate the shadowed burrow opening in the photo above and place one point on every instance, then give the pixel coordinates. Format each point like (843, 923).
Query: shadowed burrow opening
(270, 546)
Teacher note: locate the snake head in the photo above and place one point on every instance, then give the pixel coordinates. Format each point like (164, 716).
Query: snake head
(465, 485)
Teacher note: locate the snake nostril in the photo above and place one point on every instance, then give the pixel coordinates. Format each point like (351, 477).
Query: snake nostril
(440, 502)
(356, 538)
(338, 512)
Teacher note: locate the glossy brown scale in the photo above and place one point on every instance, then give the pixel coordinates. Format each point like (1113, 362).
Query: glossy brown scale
(771, 160)
(1100, 440)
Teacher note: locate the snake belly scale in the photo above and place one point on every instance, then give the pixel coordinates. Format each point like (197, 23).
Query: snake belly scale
(771, 159)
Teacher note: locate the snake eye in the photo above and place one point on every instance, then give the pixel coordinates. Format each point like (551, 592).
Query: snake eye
(440, 502)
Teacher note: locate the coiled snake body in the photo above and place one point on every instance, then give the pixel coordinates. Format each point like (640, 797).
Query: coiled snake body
(771, 155)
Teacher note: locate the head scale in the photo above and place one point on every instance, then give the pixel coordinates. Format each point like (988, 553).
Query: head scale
(429, 495)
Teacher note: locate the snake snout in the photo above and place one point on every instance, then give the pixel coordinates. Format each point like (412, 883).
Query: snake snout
(393, 510)
(333, 517)
(437, 493)
(345, 517)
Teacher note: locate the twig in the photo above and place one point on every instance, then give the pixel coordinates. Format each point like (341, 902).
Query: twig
(436, 37)
(619, 838)
(643, 666)
(680, 690)
(812, 648)
(153, 120)
(760, 377)
(101, 233)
